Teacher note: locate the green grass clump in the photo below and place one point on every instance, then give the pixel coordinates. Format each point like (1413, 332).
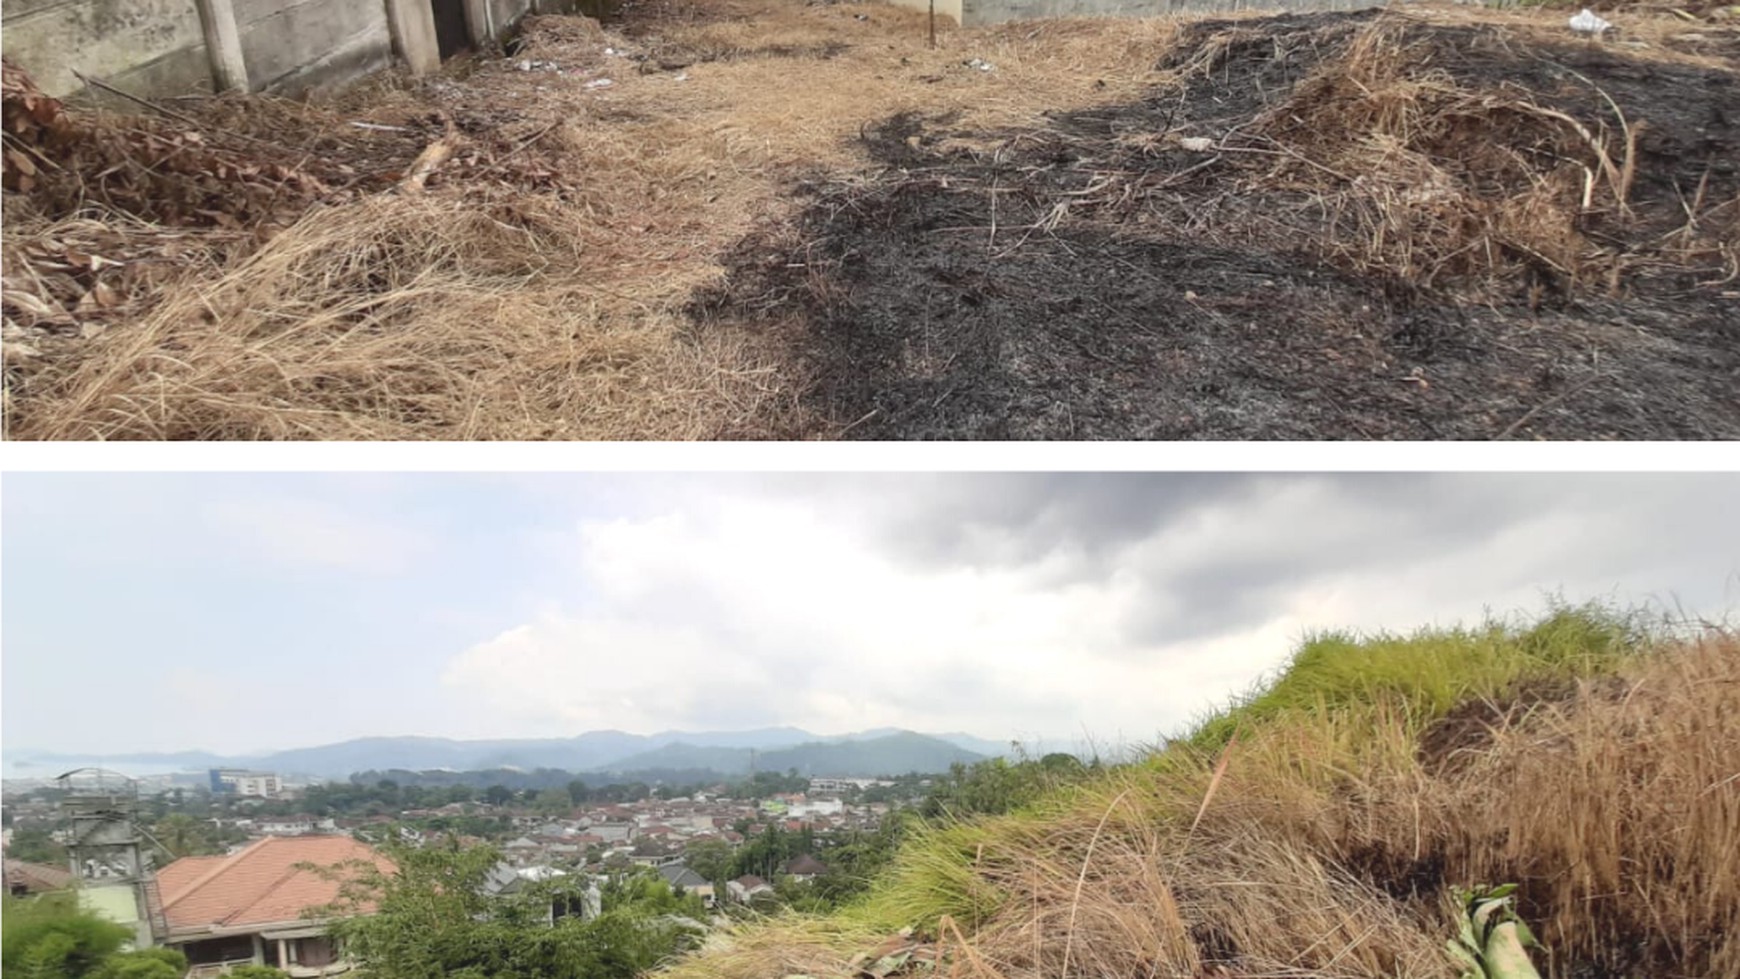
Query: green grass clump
(1429, 672)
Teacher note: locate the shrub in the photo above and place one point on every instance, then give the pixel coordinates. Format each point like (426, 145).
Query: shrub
(49, 937)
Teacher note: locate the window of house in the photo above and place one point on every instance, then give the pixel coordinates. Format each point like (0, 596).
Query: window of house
(315, 952)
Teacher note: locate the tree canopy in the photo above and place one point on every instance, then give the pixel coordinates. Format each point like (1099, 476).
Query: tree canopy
(437, 918)
(49, 937)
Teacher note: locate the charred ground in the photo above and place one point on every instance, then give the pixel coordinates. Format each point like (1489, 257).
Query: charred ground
(1400, 229)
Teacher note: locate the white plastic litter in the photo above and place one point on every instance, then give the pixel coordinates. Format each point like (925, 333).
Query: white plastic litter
(599, 83)
(1589, 23)
(981, 65)
(1197, 144)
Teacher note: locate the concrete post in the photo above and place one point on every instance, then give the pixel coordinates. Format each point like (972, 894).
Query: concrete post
(480, 21)
(413, 26)
(223, 44)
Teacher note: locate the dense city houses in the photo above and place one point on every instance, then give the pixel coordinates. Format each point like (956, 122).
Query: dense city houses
(260, 876)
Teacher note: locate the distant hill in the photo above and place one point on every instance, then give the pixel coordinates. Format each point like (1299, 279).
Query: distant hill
(894, 754)
(891, 754)
(726, 752)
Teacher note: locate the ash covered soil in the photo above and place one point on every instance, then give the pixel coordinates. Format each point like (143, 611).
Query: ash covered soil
(1325, 226)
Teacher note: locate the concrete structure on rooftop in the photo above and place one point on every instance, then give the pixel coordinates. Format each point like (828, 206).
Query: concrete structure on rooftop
(107, 852)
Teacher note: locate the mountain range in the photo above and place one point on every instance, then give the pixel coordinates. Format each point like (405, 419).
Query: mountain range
(873, 752)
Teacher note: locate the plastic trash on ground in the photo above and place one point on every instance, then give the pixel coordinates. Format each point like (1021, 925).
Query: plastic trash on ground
(1588, 22)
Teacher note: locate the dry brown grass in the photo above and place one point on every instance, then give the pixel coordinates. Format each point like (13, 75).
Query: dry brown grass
(540, 288)
(486, 310)
(1426, 178)
(1618, 808)
(404, 317)
(1330, 844)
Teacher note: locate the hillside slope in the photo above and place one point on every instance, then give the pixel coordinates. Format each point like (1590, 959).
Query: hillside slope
(1319, 827)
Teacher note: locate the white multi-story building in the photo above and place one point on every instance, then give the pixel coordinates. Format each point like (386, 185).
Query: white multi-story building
(236, 781)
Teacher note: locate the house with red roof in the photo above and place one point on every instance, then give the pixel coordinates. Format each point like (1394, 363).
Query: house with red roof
(35, 878)
(261, 904)
(805, 868)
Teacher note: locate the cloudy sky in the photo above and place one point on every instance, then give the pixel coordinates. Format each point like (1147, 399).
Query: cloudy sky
(244, 612)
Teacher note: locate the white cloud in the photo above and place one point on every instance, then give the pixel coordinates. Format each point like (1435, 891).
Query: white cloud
(729, 611)
(752, 612)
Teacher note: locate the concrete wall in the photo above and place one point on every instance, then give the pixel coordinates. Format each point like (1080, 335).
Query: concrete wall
(950, 9)
(142, 46)
(977, 12)
(290, 46)
(160, 47)
(118, 903)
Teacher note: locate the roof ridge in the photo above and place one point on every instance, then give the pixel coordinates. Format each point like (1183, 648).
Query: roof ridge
(265, 892)
(227, 861)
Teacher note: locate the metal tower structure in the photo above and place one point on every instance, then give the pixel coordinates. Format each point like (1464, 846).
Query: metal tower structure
(109, 854)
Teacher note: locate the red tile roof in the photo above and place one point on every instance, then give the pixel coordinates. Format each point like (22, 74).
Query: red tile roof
(805, 865)
(36, 877)
(260, 884)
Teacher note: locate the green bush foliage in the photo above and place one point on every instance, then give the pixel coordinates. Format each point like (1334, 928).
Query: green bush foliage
(49, 937)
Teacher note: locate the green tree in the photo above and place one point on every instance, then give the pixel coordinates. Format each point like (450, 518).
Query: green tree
(185, 836)
(434, 918)
(553, 802)
(998, 785)
(48, 937)
(577, 792)
(497, 795)
(36, 846)
(146, 963)
(709, 858)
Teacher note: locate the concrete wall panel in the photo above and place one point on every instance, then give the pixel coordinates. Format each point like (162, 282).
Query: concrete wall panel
(950, 9)
(291, 46)
(149, 47)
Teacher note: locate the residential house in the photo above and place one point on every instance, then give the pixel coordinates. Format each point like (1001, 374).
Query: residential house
(252, 906)
(504, 879)
(747, 888)
(24, 879)
(844, 784)
(613, 832)
(805, 868)
(652, 853)
(681, 876)
(295, 826)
